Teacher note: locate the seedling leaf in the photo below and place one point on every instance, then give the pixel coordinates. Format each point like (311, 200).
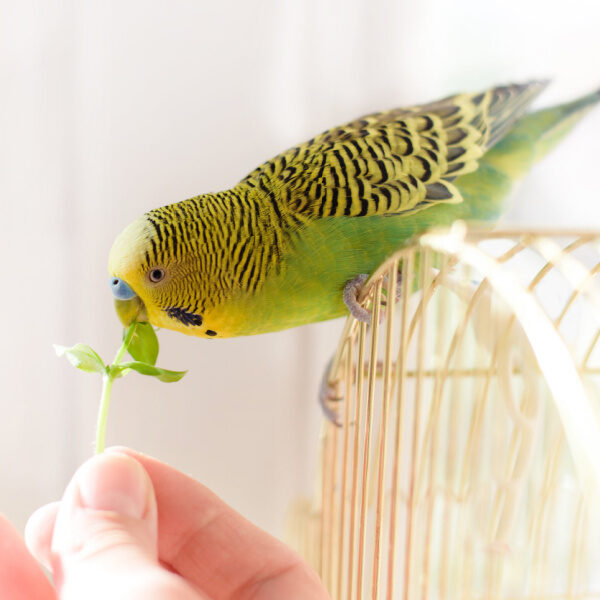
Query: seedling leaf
(146, 369)
(82, 357)
(143, 346)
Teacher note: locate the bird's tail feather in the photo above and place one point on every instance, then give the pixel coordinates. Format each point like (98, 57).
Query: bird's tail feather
(561, 119)
(536, 134)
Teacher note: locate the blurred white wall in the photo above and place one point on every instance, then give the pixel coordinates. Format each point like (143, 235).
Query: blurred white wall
(110, 108)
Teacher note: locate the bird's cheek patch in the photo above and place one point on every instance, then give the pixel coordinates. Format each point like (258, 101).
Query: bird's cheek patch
(184, 316)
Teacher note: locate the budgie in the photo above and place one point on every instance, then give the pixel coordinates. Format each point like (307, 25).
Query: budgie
(291, 242)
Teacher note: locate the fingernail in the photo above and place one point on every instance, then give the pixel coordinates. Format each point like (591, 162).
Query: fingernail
(115, 483)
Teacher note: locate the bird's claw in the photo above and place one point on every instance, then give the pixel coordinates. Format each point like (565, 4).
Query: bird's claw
(351, 291)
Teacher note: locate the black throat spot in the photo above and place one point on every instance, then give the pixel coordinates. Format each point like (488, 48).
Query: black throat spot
(184, 316)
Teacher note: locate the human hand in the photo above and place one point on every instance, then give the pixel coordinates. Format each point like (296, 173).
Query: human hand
(130, 527)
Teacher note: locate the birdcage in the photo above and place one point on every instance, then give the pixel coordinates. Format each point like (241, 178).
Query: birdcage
(466, 459)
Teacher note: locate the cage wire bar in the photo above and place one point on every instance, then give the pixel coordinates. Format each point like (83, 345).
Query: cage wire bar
(466, 460)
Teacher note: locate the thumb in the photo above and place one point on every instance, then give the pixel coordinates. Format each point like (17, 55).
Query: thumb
(104, 543)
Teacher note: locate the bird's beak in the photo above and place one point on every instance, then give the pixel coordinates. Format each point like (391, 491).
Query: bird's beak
(130, 310)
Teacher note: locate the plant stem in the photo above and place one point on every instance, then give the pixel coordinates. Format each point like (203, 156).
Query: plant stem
(121, 351)
(107, 381)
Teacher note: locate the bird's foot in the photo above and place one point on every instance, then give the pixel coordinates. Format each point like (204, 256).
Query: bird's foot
(331, 399)
(351, 291)
(398, 286)
(397, 292)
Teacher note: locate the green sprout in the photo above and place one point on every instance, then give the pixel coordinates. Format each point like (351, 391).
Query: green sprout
(140, 341)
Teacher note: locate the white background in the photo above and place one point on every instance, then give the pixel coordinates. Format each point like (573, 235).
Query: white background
(111, 108)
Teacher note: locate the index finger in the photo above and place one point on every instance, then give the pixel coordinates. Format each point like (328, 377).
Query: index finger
(214, 547)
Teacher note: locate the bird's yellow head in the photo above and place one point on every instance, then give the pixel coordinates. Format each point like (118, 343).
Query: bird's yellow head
(156, 278)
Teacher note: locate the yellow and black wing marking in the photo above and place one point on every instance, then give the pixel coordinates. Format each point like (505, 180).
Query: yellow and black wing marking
(398, 161)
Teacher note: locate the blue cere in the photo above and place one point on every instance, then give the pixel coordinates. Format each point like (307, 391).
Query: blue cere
(120, 290)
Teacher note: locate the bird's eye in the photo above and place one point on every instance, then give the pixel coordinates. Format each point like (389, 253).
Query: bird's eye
(156, 275)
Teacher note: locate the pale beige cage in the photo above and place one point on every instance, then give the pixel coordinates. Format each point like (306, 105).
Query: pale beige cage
(468, 463)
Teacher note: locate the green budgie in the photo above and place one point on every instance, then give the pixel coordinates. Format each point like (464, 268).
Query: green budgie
(288, 244)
